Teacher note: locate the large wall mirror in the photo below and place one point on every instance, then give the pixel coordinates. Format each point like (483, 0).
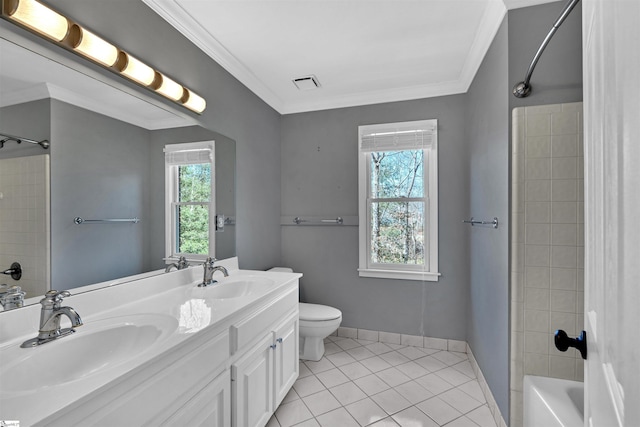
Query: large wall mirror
(105, 161)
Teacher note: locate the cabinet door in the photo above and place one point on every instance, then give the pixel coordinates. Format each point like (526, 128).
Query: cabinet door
(286, 358)
(252, 386)
(211, 407)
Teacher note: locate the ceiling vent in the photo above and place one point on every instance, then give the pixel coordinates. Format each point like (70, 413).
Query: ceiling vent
(307, 82)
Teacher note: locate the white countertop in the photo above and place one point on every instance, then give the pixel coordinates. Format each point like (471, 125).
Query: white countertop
(172, 295)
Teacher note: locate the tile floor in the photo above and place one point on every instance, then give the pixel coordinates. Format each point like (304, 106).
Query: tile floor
(362, 383)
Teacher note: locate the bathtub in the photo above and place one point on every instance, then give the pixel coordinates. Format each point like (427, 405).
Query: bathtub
(551, 402)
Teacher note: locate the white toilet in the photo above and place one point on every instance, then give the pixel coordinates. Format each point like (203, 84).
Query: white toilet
(316, 323)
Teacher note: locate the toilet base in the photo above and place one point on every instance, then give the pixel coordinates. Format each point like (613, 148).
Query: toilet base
(311, 348)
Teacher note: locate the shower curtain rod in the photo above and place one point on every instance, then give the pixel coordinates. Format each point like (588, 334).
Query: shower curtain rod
(5, 137)
(523, 89)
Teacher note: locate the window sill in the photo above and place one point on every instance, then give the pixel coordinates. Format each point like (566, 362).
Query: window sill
(425, 276)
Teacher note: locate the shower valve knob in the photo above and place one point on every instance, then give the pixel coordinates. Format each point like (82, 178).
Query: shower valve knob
(15, 271)
(563, 342)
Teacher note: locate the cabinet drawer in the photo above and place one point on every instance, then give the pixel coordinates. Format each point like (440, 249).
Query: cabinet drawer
(242, 333)
(152, 395)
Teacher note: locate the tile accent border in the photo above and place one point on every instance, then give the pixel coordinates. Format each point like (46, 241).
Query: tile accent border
(434, 343)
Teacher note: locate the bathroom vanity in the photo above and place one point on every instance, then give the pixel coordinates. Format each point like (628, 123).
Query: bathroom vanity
(158, 351)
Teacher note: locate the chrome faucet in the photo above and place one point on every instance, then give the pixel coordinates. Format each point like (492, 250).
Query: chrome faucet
(11, 297)
(209, 269)
(180, 265)
(50, 319)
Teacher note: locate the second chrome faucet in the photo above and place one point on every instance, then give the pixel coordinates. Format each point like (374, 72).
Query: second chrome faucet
(50, 319)
(209, 269)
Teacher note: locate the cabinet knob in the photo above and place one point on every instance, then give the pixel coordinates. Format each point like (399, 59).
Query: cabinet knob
(272, 346)
(279, 340)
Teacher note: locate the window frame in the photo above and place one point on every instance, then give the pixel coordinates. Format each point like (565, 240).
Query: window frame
(428, 271)
(172, 201)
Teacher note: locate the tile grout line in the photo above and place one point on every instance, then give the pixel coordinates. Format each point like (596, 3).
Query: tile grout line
(450, 364)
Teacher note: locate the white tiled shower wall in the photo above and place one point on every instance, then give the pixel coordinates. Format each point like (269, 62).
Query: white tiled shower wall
(547, 246)
(24, 221)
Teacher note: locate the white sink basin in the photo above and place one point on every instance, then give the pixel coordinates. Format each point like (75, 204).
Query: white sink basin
(231, 287)
(94, 348)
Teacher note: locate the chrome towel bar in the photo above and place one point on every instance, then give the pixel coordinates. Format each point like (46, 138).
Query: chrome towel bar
(6, 137)
(79, 220)
(297, 220)
(473, 222)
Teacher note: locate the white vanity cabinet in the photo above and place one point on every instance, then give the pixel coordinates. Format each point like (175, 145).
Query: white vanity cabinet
(188, 386)
(286, 358)
(234, 371)
(265, 372)
(210, 407)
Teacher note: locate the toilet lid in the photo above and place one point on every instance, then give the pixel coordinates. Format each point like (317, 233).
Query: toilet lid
(317, 312)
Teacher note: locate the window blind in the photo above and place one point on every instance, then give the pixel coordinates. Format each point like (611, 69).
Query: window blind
(188, 154)
(398, 136)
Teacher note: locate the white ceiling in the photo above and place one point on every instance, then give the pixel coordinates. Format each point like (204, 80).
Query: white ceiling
(428, 48)
(361, 51)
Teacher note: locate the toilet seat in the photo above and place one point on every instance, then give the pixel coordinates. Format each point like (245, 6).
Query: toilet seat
(318, 313)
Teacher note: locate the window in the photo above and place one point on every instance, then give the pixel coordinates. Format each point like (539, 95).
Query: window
(190, 201)
(398, 200)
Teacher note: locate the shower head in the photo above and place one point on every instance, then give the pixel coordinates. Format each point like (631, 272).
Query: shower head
(521, 90)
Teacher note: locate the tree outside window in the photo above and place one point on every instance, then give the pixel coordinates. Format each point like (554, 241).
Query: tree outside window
(194, 189)
(397, 207)
(398, 200)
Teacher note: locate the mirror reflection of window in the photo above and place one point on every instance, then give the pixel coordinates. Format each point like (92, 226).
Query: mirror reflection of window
(192, 209)
(190, 201)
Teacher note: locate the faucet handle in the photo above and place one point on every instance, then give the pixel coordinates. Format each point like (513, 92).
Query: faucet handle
(54, 296)
(182, 263)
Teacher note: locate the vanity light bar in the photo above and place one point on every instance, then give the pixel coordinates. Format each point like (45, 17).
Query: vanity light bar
(135, 69)
(193, 101)
(169, 88)
(38, 18)
(90, 45)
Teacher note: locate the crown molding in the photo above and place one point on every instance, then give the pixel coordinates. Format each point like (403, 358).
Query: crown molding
(182, 21)
(126, 111)
(376, 97)
(114, 110)
(516, 4)
(487, 30)
(32, 93)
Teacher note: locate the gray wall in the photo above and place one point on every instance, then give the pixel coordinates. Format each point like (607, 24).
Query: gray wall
(320, 177)
(232, 110)
(29, 120)
(99, 169)
(488, 156)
